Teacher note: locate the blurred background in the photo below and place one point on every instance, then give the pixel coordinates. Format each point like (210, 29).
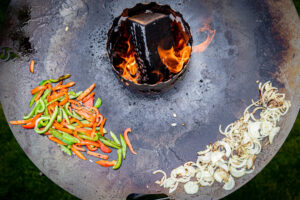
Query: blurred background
(20, 179)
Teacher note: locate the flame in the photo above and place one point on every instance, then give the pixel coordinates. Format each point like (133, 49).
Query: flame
(210, 36)
(174, 60)
(159, 74)
(129, 65)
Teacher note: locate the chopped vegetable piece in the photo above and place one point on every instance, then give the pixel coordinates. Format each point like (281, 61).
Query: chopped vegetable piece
(54, 139)
(114, 137)
(127, 140)
(124, 146)
(53, 117)
(106, 163)
(38, 88)
(32, 66)
(98, 103)
(86, 92)
(65, 149)
(78, 153)
(98, 155)
(119, 160)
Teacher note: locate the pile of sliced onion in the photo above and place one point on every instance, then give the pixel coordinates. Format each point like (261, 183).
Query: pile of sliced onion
(234, 155)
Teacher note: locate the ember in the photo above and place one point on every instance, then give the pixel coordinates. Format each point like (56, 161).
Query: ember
(149, 46)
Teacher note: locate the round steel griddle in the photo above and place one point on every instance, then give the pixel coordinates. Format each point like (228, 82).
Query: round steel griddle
(255, 40)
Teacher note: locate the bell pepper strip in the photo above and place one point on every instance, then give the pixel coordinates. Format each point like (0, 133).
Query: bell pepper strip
(73, 95)
(91, 95)
(39, 94)
(18, 122)
(46, 113)
(75, 103)
(31, 68)
(84, 131)
(88, 137)
(102, 125)
(66, 107)
(56, 96)
(32, 112)
(61, 78)
(72, 120)
(77, 116)
(53, 117)
(47, 133)
(123, 146)
(85, 115)
(65, 149)
(93, 133)
(78, 153)
(91, 148)
(60, 87)
(103, 147)
(98, 155)
(54, 139)
(127, 140)
(59, 127)
(65, 116)
(49, 86)
(33, 99)
(114, 137)
(46, 93)
(31, 124)
(109, 143)
(64, 137)
(59, 116)
(89, 103)
(119, 160)
(66, 99)
(78, 148)
(86, 92)
(40, 106)
(98, 103)
(38, 88)
(106, 163)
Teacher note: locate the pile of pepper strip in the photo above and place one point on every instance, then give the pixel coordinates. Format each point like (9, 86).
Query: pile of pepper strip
(73, 121)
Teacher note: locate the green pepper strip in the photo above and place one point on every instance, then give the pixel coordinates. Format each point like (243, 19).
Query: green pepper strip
(53, 117)
(65, 115)
(88, 128)
(41, 106)
(54, 100)
(32, 112)
(88, 138)
(46, 108)
(114, 137)
(73, 95)
(65, 149)
(46, 93)
(69, 113)
(61, 78)
(32, 99)
(98, 103)
(43, 123)
(109, 142)
(59, 115)
(77, 116)
(119, 160)
(124, 146)
(64, 137)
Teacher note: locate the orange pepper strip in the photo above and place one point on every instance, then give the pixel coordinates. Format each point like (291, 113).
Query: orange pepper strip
(39, 95)
(31, 68)
(106, 163)
(18, 122)
(54, 139)
(61, 128)
(98, 155)
(78, 153)
(38, 88)
(49, 86)
(57, 85)
(101, 119)
(91, 95)
(72, 120)
(85, 115)
(102, 125)
(83, 130)
(57, 95)
(79, 148)
(66, 99)
(97, 113)
(127, 140)
(70, 84)
(88, 142)
(47, 133)
(75, 102)
(91, 148)
(86, 92)
(94, 130)
(87, 125)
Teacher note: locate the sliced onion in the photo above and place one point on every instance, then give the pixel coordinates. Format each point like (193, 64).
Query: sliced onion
(191, 187)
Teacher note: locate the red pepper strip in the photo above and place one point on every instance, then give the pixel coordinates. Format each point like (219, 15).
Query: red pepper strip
(57, 85)
(89, 103)
(88, 97)
(39, 95)
(106, 163)
(66, 99)
(31, 68)
(91, 148)
(98, 155)
(38, 88)
(31, 124)
(57, 95)
(60, 87)
(103, 147)
(79, 148)
(47, 133)
(86, 92)
(78, 153)
(73, 120)
(83, 130)
(61, 128)
(88, 142)
(54, 139)
(127, 140)
(102, 125)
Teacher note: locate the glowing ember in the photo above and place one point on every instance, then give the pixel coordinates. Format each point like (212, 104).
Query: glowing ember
(174, 60)
(211, 34)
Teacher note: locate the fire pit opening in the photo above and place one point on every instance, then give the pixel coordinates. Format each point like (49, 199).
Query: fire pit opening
(149, 47)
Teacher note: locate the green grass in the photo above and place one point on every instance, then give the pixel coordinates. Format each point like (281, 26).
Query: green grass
(20, 179)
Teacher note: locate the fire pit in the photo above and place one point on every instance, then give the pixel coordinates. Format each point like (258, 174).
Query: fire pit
(149, 47)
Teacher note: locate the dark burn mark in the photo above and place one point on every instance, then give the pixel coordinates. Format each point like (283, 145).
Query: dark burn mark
(23, 15)
(271, 46)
